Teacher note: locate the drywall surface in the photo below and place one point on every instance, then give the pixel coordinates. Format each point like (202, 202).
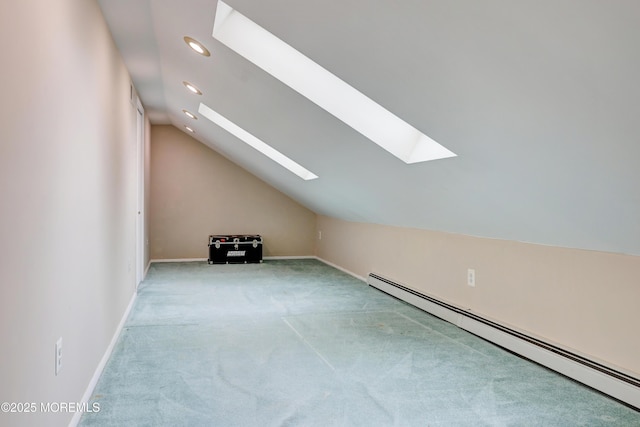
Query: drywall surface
(68, 197)
(147, 189)
(585, 301)
(195, 192)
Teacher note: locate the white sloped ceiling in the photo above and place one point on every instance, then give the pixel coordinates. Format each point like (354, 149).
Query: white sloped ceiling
(540, 100)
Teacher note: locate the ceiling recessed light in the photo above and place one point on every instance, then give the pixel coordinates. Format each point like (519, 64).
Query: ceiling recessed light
(256, 143)
(190, 114)
(197, 46)
(189, 129)
(323, 88)
(192, 88)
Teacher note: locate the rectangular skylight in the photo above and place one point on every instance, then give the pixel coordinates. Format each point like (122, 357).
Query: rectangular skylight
(320, 86)
(256, 143)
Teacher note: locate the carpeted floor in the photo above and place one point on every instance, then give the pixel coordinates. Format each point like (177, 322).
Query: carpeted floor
(299, 343)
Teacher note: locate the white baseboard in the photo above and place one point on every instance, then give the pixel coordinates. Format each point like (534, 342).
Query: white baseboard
(267, 258)
(344, 270)
(178, 260)
(609, 380)
(103, 362)
(146, 270)
(289, 257)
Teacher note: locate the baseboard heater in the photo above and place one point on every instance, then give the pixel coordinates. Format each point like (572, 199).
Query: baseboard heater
(612, 382)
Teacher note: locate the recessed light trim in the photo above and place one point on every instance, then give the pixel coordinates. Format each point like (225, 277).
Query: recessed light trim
(323, 88)
(189, 129)
(190, 114)
(196, 46)
(256, 143)
(192, 88)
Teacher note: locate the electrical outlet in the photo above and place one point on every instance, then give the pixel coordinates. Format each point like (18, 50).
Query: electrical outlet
(58, 355)
(471, 277)
(319, 235)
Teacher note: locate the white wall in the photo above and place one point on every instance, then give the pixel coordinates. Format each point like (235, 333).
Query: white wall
(196, 192)
(68, 192)
(585, 301)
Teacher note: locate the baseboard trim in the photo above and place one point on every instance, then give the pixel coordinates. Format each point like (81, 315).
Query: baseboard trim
(177, 260)
(611, 381)
(268, 258)
(103, 362)
(344, 270)
(146, 270)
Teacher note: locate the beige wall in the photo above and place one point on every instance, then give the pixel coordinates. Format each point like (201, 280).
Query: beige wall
(582, 300)
(68, 200)
(196, 192)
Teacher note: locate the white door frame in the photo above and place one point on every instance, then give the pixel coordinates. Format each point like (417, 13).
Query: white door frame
(140, 213)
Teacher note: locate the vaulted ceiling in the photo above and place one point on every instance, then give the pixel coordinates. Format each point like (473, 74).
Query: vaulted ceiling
(539, 99)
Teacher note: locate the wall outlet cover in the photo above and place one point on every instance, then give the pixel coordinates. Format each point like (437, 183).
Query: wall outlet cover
(58, 355)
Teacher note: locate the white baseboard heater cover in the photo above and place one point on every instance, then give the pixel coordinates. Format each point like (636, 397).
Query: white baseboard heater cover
(616, 384)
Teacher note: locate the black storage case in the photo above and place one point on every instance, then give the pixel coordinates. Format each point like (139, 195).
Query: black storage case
(235, 249)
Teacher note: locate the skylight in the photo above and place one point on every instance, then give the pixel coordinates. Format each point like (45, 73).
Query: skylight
(256, 143)
(320, 86)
